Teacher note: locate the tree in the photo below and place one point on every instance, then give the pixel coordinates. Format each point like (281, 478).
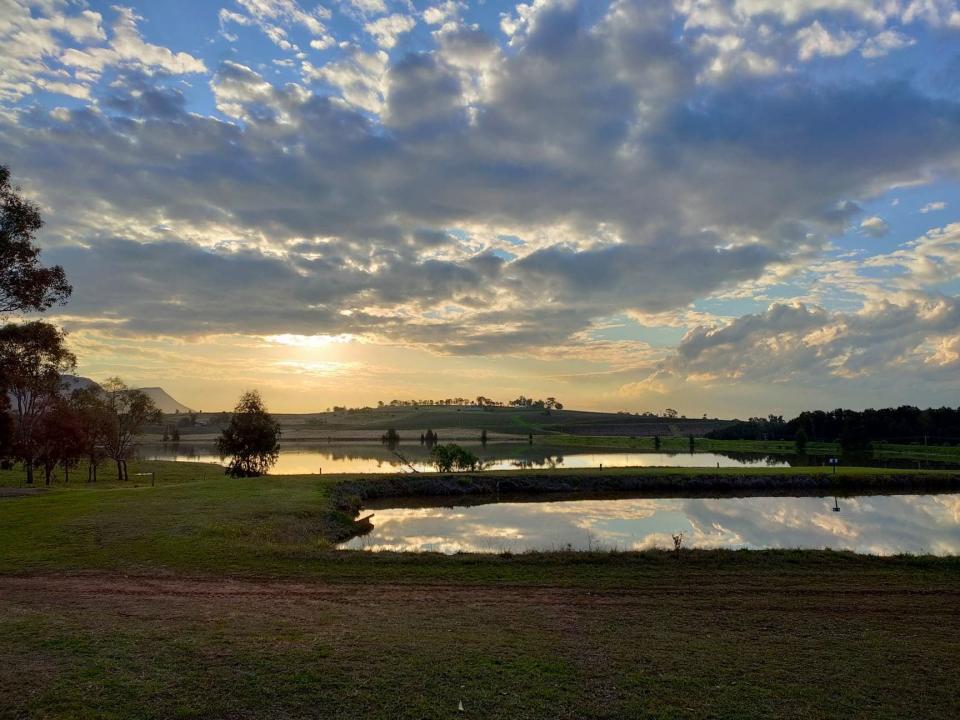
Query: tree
(93, 420)
(33, 356)
(453, 457)
(252, 438)
(25, 285)
(800, 440)
(58, 440)
(656, 442)
(483, 437)
(128, 412)
(6, 427)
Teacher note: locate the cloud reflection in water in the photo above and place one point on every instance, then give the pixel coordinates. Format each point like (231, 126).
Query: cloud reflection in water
(882, 525)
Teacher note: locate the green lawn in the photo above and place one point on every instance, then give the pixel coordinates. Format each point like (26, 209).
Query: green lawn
(207, 597)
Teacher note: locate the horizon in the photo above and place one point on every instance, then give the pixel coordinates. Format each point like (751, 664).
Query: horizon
(728, 208)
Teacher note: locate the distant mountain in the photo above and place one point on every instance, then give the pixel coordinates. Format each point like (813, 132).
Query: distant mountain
(160, 397)
(163, 401)
(76, 382)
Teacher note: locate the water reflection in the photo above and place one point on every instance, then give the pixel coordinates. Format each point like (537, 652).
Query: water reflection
(882, 525)
(380, 458)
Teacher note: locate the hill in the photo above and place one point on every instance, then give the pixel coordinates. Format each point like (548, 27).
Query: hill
(164, 401)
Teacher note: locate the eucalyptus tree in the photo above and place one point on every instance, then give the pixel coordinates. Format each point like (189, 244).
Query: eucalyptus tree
(25, 284)
(33, 357)
(251, 439)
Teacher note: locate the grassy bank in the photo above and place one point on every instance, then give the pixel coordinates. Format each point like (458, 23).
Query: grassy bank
(206, 597)
(197, 521)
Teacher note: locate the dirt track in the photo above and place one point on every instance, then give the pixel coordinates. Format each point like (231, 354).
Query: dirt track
(53, 589)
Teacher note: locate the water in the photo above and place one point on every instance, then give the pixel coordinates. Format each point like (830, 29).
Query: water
(298, 459)
(880, 525)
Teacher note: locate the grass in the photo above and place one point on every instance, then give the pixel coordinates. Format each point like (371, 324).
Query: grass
(164, 472)
(450, 419)
(682, 444)
(880, 451)
(206, 597)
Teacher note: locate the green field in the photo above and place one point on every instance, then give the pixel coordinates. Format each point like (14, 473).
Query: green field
(453, 420)
(206, 597)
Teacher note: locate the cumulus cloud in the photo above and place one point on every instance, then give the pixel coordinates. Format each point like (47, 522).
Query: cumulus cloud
(31, 37)
(360, 78)
(933, 207)
(127, 47)
(875, 226)
(387, 29)
(442, 12)
(478, 199)
(790, 342)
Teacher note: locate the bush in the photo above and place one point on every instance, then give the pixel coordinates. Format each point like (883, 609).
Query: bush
(453, 457)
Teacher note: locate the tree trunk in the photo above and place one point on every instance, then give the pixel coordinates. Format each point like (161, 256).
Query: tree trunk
(66, 474)
(119, 469)
(28, 464)
(47, 472)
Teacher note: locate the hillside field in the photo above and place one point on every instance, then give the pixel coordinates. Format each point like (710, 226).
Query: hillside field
(454, 421)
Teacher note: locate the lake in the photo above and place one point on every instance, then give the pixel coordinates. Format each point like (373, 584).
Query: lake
(879, 524)
(298, 459)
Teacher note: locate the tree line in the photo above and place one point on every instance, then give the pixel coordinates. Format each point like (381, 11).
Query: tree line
(550, 403)
(852, 428)
(44, 423)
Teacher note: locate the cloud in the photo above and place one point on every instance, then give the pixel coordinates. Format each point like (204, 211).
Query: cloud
(388, 28)
(475, 199)
(815, 40)
(370, 7)
(884, 43)
(127, 47)
(360, 78)
(30, 37)
(933, 207)
(442, 12)
(875, 226)
(275, 17)
(797, 342)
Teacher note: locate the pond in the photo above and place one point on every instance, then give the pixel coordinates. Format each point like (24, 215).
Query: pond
(377, 458)
(878, 524)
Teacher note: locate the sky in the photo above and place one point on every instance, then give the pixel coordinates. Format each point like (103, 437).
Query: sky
(726, 207)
